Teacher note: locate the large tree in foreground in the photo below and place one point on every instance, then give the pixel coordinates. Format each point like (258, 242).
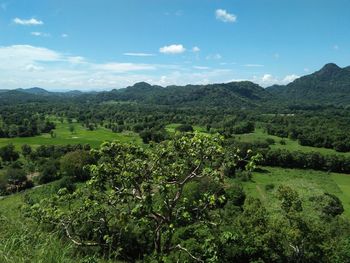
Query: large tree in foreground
(135, 198)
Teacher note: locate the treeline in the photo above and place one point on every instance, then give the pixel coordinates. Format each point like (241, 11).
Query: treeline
(292, 159)
(21, 121)
(327, 131)
(312, 160)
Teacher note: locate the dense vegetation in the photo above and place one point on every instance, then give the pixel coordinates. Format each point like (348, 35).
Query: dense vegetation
(200, 173)
(171, 203)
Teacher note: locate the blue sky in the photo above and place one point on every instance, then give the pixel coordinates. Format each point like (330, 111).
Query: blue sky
(105, 44)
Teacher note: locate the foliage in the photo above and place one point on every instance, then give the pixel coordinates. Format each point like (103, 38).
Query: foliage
(184, 128)
(8, 153)
(73, 165)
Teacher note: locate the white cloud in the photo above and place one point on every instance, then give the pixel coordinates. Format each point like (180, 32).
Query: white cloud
(39, 34)
(26, 53)
(33, 68)
(201, 67)
(214, 56)
(269, 80)
(290, 78)
(224, 16)
(64, 35)
(253, 65)
(132, 54)
(28, 66)
(27, 22)
(124, 67)
(196, 49)
(172, 49)
(76, 60)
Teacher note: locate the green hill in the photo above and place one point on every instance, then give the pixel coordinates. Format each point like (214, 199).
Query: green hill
(329, 85)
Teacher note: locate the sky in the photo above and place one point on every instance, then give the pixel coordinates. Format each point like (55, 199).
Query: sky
(107, 44)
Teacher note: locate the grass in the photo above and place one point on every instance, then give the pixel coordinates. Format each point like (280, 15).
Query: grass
(23, 241)
(170, 128)
(79, 136)
(306, 182)
(291, 145)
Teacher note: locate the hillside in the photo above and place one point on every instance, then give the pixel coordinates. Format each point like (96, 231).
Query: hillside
(233, 94)
(329, 85)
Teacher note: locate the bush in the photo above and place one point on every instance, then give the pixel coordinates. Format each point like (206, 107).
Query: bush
(269, 187)
(68, 183)
(8, 153)
(236, 195)
(243, 175)
(184, 128)
(73, 163)
(49, 172)
(270, 141)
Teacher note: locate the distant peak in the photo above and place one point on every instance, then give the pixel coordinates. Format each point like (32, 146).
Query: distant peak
(331, 66)
(142, 84)
(329, 70)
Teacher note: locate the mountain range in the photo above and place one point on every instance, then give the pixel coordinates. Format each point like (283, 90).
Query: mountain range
(327, 86)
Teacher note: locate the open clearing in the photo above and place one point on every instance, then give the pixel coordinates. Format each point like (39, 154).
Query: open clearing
(291, 145)
(80, 135)
(306, 182)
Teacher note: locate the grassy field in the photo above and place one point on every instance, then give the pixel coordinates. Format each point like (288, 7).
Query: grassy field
(260, 135)
(171, 128)
(22, 241)
(79, 136)
(307, 183)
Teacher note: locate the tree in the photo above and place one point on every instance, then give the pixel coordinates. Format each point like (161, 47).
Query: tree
(8, 153)
(26, 150)
(71, 128)
(133, 189)
(330, 205)
(48, 172)
(73, 165)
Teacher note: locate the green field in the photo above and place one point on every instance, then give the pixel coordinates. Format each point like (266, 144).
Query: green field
(306, 182)
(80, 136)
(291, 145)
(171, 127)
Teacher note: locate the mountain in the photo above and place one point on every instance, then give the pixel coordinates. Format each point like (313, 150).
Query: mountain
(35, 91)
(329, 85)
(233, 94)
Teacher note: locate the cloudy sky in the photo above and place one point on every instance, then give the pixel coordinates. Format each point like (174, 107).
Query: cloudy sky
(105, 44)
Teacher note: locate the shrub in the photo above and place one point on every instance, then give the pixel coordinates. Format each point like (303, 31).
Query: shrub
(270, 141)
(269, 187)
(184, 128)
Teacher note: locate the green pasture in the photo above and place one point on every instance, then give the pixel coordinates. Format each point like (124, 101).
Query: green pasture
(306, 182)
(80, 135)
(291, 145)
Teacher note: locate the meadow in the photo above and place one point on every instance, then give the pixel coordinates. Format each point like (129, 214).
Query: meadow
(80, 135)
(291, 145)
(307, 183)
